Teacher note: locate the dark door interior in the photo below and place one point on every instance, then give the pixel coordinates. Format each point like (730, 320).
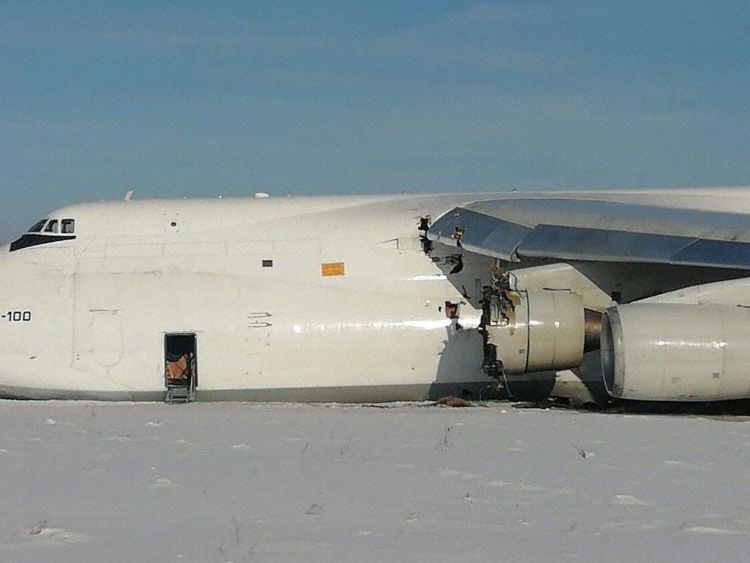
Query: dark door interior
(180, 360)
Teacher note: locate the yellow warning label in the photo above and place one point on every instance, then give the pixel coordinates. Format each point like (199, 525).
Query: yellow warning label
(332, 269)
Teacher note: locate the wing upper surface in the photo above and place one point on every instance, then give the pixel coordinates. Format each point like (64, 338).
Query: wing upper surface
(596, 230)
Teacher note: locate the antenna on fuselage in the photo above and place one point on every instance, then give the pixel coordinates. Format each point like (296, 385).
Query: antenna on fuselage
(129, 195)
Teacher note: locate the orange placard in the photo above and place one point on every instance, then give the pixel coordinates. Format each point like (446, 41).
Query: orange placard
(332, 269)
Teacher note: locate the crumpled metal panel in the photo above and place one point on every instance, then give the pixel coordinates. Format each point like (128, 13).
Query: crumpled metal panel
(477, 232)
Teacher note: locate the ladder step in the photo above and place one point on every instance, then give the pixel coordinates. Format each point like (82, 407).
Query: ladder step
(178, 394)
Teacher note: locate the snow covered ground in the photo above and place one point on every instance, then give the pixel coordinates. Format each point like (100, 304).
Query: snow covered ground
(248, 482)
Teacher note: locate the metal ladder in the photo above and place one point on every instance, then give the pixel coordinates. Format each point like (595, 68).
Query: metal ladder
(178, 394)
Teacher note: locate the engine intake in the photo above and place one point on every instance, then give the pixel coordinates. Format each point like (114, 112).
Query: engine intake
(676, 352)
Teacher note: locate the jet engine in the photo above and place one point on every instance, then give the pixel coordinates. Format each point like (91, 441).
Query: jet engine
(526, 331)
(676, 352)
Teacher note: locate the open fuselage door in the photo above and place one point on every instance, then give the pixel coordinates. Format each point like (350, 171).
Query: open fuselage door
(180, 366)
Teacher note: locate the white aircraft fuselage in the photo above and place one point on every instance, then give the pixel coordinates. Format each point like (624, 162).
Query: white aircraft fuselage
(304, 299)
(340, 298)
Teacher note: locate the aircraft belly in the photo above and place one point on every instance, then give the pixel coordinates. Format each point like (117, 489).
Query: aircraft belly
(354, 394)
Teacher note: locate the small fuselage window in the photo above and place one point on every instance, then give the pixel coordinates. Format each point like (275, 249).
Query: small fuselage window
(52, 227)
(68, 226)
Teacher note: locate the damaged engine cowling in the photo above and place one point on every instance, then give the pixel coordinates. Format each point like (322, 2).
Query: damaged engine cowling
(526, 331)
(676, 352)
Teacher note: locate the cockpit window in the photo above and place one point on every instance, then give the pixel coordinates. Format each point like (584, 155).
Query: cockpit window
(46, 232)
(37, 228)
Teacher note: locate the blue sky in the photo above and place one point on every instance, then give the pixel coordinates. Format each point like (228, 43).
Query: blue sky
(202, 99)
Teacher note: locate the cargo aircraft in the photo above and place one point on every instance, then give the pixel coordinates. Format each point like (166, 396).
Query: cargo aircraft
(580, 295)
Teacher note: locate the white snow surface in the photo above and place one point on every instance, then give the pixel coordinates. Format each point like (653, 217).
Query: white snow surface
(85, 481)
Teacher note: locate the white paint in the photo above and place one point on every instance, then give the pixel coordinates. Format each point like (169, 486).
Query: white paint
(164, 266)
(102, 303)
(430, 277)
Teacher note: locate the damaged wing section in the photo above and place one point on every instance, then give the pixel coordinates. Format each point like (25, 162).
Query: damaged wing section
(480, 233)
(679, 351)
(597, 231)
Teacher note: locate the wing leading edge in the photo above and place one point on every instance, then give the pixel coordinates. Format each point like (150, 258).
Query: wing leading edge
(599, 231)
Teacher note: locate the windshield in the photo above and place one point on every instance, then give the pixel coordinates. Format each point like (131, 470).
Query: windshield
(37, 227)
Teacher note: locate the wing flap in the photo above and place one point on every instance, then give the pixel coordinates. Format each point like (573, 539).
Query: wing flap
(716, 254)
(576, 243)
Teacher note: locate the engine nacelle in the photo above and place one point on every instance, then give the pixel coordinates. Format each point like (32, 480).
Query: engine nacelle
(675, 352)
(529, 331)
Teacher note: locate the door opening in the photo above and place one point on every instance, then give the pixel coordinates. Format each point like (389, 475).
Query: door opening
(180, 366)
